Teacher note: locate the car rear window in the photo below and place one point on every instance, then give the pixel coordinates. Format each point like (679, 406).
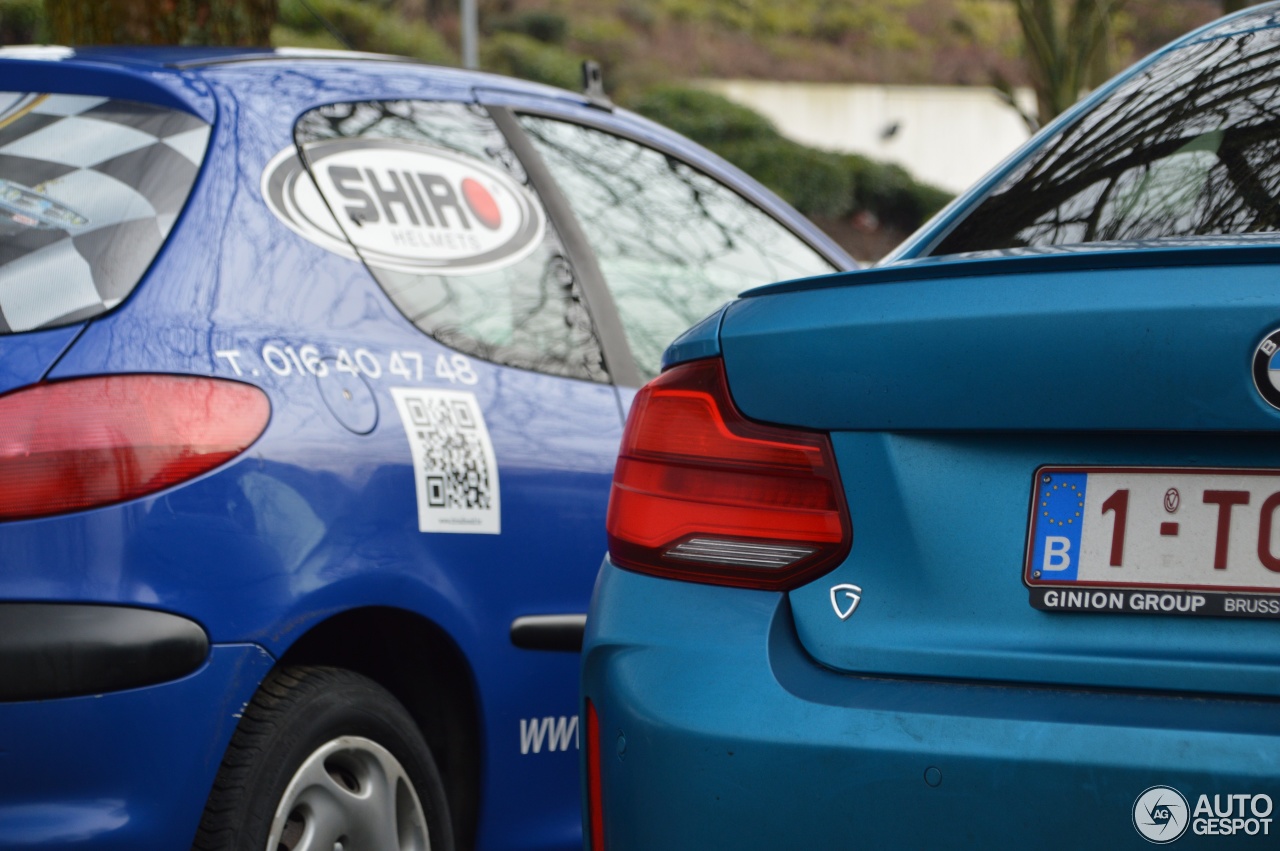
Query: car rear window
(440, 210)
(1188, 148)
(89, 189)
(673, 243)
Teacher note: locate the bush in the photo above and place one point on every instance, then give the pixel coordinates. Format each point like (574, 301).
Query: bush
(22, 22)
(709, 119)
(814, 182)
(521, 56)
(817, 183)
(892, 194)
(546, 27)
(282, 36)
(293, 15)
(609, 42)
(363, 27)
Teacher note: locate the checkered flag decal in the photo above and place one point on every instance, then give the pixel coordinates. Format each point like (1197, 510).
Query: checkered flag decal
(89, 189)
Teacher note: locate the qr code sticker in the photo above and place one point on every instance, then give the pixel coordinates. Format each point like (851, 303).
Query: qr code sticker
(455, 472)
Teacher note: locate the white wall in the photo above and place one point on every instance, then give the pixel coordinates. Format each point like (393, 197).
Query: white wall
(945, 135)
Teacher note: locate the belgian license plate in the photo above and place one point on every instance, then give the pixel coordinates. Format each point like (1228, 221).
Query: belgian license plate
(1166, 541)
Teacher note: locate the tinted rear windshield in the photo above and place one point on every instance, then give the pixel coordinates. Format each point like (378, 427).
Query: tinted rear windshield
(1186, 149)
(89, 189)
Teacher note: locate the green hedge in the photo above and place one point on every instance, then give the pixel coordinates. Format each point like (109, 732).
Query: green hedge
(22, 22)
(364, 26)
(701, 115)
(890, 192)
(815, 182)
(523, 56)
(546, 27)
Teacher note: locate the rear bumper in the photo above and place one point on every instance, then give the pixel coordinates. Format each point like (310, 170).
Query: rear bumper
(122, 770)
(713, 716)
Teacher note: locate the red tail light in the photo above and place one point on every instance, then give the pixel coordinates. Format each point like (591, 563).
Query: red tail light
(595, 786)
(90, 442)
(701, 493)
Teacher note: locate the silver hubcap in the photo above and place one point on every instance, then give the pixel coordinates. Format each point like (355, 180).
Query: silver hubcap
(351, 794)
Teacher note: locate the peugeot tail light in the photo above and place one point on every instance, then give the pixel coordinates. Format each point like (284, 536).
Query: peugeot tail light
(703, 494)
(89, 442)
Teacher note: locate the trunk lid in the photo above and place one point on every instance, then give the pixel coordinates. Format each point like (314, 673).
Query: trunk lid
(951, 390)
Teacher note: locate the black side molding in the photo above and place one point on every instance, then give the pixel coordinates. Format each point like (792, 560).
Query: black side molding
(549, 632)
(50, 650)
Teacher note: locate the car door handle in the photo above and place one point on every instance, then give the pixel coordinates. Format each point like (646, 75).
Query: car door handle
(548, 632)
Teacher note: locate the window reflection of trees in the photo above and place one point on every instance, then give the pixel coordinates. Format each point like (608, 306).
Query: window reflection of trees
(528, 315)
(673, 244)
(1256, 20)
(1189, 147)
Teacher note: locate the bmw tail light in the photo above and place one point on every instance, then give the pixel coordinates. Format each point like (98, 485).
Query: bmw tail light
(703, 494)
(89, 442)
(595, 785)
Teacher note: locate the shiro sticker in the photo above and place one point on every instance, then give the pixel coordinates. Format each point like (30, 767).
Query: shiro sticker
(454, 468)
(404, 206)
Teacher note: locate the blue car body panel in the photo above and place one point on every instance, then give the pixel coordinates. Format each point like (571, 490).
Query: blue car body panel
(700, 341)
(916, 377)
(26, 360)
(749, 742)
(146, 83)
(318, 517)
(56, 793)
(294, 532)
(943, 353)
(941, 601)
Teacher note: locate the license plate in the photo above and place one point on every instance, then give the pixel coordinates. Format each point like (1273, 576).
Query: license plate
(1167, 541)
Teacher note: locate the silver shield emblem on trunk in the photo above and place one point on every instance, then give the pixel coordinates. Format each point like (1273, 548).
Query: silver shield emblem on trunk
(852, 596)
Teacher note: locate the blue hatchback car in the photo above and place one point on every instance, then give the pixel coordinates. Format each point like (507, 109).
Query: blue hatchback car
(979, 548)
(314, 370)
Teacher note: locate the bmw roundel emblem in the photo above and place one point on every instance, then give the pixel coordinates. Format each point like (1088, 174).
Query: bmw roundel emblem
(1266, 368)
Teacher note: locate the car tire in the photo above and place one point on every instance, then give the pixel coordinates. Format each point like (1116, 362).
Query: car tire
(325, 758)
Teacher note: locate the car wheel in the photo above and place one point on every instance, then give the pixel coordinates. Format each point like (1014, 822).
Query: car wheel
(325, 758)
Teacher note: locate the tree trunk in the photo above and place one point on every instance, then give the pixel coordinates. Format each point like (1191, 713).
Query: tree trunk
(187, 22)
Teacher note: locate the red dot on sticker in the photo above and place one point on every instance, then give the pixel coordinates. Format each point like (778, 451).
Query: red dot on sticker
(481, 203)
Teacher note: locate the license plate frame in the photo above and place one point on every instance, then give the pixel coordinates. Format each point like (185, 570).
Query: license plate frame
(1190, 565)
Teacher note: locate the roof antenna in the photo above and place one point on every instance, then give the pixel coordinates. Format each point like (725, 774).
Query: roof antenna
(324, 22)
(593, 86)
